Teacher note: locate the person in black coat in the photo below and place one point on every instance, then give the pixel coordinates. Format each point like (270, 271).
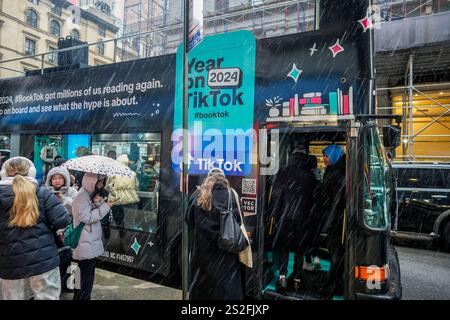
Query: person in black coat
(29, 218)
(333, 201)
(292, 202)
(214, 274)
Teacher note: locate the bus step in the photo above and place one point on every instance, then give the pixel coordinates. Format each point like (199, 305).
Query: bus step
(292, 295)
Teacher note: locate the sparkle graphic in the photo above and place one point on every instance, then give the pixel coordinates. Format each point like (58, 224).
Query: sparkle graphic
(295, 73)
(151, 244)
(336, 48)
(136, 246)
(313, 49)
(366, 23)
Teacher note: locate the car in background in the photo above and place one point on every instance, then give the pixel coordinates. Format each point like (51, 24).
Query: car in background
(423, 193)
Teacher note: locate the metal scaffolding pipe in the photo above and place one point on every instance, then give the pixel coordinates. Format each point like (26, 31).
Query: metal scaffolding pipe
(411, 128)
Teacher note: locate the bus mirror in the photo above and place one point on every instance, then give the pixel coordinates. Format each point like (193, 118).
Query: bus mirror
(391, 136)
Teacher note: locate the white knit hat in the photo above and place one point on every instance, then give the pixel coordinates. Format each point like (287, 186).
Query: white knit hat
(216, 171)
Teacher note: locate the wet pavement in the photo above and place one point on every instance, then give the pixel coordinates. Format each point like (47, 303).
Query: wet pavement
(114, 286)
(425, 274)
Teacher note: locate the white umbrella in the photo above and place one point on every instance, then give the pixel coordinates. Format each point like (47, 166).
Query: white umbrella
(98, 165)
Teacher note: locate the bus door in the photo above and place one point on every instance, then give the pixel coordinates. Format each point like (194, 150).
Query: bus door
(370, 257)
(282, 146)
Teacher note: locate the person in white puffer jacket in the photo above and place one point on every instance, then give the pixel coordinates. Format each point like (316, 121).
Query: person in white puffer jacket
(89, 208)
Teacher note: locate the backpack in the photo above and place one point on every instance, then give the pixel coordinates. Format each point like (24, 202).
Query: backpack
(72, 235)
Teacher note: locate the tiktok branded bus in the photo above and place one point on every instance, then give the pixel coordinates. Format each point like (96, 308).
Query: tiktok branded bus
(250, 102)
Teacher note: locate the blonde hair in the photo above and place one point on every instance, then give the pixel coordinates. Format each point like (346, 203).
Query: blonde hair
(25, 210)
(205, 197)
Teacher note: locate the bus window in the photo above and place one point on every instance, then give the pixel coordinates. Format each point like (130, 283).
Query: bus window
(375, 182)
(5, 148)
(46, 148)
(141, 152)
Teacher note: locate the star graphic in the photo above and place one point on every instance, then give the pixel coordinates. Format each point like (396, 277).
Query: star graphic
(336, 48)
(150, 244)
(136, 246)
(366, 23)
(295, 73)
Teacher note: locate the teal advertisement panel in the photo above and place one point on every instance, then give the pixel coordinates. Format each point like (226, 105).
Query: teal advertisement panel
(221, 84)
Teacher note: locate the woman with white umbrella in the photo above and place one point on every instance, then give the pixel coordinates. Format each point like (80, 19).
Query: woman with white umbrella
(89, 207)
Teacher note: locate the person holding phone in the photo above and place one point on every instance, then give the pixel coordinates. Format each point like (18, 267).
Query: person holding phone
(89, 207)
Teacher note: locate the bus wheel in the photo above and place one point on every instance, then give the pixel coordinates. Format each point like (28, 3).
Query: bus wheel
(446, 236)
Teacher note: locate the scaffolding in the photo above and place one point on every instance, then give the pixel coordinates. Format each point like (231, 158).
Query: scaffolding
(140, 18)
(157, 30)
(435, 112)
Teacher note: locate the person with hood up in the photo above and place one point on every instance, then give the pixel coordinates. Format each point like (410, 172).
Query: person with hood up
(89, 207)
(333, 201)
(29, 218)
(58, 181)
(292, 202)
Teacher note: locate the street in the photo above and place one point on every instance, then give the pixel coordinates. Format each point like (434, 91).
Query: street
(425, 274)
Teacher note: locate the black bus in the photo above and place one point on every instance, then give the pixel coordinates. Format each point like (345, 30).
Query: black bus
(271, 93)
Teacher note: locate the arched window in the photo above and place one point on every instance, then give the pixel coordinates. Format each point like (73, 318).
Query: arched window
(32, 18)
(55, 28)
(75, 34)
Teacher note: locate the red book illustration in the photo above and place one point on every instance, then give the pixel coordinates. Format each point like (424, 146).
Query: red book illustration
(303, 101)
(291, 106)
(317, 100)
(346, 108)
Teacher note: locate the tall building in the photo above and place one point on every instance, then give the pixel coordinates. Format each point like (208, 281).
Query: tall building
(37, 26)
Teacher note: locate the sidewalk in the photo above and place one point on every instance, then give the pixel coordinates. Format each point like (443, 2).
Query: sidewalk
(113, 286)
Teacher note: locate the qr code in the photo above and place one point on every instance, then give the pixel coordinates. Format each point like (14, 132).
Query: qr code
(249, 186)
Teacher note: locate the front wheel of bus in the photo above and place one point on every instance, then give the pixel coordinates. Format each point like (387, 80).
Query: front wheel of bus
(446, 236)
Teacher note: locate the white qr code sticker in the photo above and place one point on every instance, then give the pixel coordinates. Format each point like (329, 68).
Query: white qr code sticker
(249, 186)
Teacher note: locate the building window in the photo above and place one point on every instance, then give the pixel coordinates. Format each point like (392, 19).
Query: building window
(32, 18)
(102, 31)
(103, 7)
(75, 34)
(30, 47)
(101, 48)
(221, 6)
(53, 56)
(57, 10)
(55, 28)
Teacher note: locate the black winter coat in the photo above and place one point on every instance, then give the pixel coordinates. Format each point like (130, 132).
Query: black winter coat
(333, 198)
(214, 274)
(292, 200)
(26, 252)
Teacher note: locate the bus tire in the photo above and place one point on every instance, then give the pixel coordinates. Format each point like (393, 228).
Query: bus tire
(446, 236)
